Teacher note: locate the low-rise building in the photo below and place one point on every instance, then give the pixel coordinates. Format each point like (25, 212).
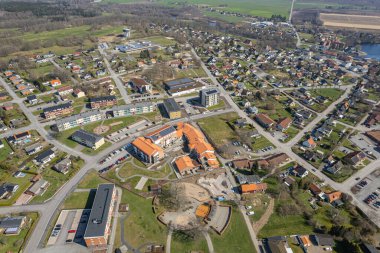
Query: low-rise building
(354, 158)
(172, 108)
(88, 139)
(105, 101)
(55, 82)
(186, 165)
(78, 120)
(132, 109)
(58, 110)
(99, 222)
(38, 187)
(164, 136)
(209, 97)
(140, 85)
(32, 99)
(63, 166)
(78, 93)
(284, 124)
(44, 157)
(64, 91)
(34, 148)
(264, 120)
(253, 188)
(19, 137)
(182, 86)
(12, 225)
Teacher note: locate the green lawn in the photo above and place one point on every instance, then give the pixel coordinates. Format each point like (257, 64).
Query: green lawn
(180, 245)
(23, 182)
(79, 200)
(124, 122)
(4, 152)
(129, 170)
(90, 151)
(220, 105)
(142, 226)
(217, 129)
(91, 180)
(260, 143)
(236, 236)
(285, 225)
(15, 243)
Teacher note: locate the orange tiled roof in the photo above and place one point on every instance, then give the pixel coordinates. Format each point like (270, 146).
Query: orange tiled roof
(311, 142)
(55, 81)
(184, 163)
(202, 211)
(146, 146)
(253, 187)
(305, 240)
(332, 196)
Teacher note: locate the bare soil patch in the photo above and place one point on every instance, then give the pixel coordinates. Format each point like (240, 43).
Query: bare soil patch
(350, 21)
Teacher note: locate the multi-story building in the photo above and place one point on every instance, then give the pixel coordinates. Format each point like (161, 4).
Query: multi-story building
(209, 97)
(165, 136)
(147, 151)
(58, 110)
(172, 108)
(78, 120)
(88, 139)
(104, 101)
(140, 85)
(132, 109)
(99, 222)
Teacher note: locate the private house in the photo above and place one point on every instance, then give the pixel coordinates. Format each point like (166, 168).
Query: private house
(278, 160)
(19, 138)
(45, 157)
(334, 198)
(164, 136)
(147, 151)
(34, 148)
(323, 240)
(132, 109)
(105, 101)
(374, 136)
(64, 91)
(55, 83)
(314, 189)
(299, 171)
(253, 188)
(264, 120)
(247, 179)
(140, 85)
(277, 244)
(37, 188)
(354, 158)
(284, 124)
(182, 86)
(99, 222)
(186, 165)
(78, 93)
(3, 96)
(78, 120)
(58, 110)
(88, 139)
(8, 106)
(243, 164)
(12, 225)
(309, 143)
(63, 166)
(7, 190)
(32, 99)
(334, 168)
(209, 97)
(172, 108)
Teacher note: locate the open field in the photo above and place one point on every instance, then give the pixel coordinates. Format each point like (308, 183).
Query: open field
(91, 180)
(263, 8)
(350, 21)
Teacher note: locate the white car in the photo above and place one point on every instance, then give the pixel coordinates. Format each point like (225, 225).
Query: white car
(248, 207)
(327, 249)
(249, 213)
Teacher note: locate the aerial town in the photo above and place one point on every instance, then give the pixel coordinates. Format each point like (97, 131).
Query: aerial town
(190, 126)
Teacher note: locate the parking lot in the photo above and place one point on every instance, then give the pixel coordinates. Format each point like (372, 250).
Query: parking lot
(70, 227)
(365, 144)
(368, 190)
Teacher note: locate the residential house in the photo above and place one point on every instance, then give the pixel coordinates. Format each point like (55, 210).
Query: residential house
(354, 158)
(58, 110)
(247, 179)
(288, 181)
(78, 93)
(45, 157)
(88, 139)
(334, 198)
(314, 189)
(284, 124)
(12, 225)
(309, 143)
(277, 244)
(32, 99)
(278, 160)
(299, 171)
(3, 96)
(64, 91)
(7, 190)
(19, 138)
(55, 82)
(8, 106)
(253, 188)
(78, 120)
(140, 85)
(63, 166)
(243, 164)
(37, 188)
(264, 120)
(34, 148)
(334, 168)
(374, 135)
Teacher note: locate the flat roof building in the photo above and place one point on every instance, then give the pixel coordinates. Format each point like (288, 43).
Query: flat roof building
(78, 120)
(209, 97)
(172, 108)
(132, 109)
(178, 87)
(99, 223)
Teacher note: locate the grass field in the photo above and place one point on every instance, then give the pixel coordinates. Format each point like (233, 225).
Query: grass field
(350, 21)
(4, 152)
(129, 170)
(260, 143)
(79, 200)
(217, 128)
(263, 8)
(91, 180)
(197, 245)
(235, 238)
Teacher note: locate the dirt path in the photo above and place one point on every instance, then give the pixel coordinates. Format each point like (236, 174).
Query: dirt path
(257, 226)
